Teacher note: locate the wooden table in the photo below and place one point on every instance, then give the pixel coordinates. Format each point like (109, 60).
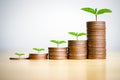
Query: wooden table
(108, 69)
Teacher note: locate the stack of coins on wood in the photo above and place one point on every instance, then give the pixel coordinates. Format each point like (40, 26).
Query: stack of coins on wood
(77, 49)
(58, 53)
(96, 40)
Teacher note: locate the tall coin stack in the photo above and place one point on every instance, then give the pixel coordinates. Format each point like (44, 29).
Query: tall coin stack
(96, 40)
(77, 49)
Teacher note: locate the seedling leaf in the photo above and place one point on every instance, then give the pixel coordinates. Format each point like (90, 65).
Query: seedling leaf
(61, 42)
(73, 33)
(82, 34)
(54, 41)
(90, 10)
(102, 11)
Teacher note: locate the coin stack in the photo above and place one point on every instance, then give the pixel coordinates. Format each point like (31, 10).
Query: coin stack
(96, 40)
(58, 53)
(77, 49)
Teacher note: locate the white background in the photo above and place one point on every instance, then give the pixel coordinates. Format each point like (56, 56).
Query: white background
(25, 24)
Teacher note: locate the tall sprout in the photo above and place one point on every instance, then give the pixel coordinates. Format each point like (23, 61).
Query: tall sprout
(96, 12)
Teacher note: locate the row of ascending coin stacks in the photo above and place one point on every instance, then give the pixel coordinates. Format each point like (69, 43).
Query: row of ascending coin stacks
(77, 49)
(96, 40)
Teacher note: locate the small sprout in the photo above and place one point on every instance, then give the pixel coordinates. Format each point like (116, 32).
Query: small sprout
(76, 34)
(96, 12)
(58, 42)
(38, 49)
(19, 54)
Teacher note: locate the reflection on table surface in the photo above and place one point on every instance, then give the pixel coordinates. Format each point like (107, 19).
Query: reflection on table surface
(108, 69)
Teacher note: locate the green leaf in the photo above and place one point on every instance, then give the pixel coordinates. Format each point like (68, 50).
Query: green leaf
(41, 49)
(82, 34)
(54, 41)
(36, 49)
(102, 11)
(73, 33)
(61, 42)
(19, 54)
(90, 10)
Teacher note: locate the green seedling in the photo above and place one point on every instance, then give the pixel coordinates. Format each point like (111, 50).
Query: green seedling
(38, 49)
(58, 42)
(76, 34)
(96, 12)
(19, 54)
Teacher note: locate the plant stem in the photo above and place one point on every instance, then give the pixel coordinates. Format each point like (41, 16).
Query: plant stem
(77, 37)
(96, 17)
(57, 45)
(96, 14)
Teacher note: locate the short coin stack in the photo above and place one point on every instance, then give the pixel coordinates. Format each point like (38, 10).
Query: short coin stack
(77, 49)
(96, 40)
(57, 53)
